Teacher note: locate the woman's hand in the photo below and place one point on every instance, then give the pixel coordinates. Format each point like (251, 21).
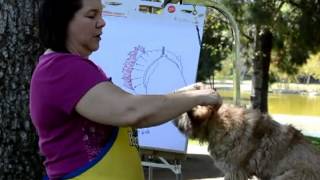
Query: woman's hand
(207, 95)
(195, 86)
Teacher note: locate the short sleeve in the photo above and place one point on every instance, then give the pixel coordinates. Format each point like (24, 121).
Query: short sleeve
(71, 78)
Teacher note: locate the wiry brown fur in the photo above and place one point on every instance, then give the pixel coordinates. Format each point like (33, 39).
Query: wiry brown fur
(245, 143)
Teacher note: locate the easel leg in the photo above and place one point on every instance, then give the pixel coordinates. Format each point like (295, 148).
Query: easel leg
(178, 169)
(150, 173)
(179, 176)
(150, 162)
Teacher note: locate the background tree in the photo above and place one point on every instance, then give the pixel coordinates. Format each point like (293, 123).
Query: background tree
(285, 29)
(311, 68)
(216, 45)
(283, 32)
(19, 48)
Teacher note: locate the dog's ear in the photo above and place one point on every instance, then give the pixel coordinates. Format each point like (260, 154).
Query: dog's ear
(215, 108)
(199, 114)
(183, 123)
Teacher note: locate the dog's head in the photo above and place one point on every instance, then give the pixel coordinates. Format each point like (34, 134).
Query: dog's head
(195, 123)
(203, 122)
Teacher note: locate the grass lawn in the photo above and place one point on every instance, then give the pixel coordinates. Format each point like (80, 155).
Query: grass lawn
(315, 141)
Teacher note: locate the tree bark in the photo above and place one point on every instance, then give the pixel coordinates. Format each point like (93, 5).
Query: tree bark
(261, 65)
(19, 49)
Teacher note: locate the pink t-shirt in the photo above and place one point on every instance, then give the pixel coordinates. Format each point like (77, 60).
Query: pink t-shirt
(66, 139)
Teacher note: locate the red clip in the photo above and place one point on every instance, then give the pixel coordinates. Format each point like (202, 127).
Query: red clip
(171, 9)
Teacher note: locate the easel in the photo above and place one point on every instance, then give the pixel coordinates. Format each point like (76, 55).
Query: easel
(156, 158)
(177, 158)
(152, 155)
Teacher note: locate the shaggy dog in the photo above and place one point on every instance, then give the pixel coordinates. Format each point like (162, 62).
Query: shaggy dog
(245, 143)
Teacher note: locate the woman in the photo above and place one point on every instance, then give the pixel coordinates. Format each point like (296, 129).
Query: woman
(83, 120)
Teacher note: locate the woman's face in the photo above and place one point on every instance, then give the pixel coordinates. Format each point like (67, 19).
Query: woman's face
(85, 29)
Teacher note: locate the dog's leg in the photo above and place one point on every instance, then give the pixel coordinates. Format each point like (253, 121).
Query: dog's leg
(236, 175)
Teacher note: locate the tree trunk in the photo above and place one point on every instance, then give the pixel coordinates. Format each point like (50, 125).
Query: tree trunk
(261, 64)
(308, 80)
(19, 49)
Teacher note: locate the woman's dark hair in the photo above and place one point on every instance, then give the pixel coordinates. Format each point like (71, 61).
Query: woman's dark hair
(54, 18)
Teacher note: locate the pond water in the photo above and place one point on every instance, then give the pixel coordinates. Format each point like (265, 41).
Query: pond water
(291, 104)
(294, 104)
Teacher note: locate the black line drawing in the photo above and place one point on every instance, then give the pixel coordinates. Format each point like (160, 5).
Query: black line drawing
(142, 65)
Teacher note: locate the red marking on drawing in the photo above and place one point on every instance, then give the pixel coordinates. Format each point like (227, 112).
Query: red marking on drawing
(171, 9)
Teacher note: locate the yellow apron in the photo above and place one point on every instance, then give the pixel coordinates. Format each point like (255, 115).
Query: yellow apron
(118, 160)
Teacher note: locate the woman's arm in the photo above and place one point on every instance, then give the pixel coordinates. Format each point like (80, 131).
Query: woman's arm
(108, 104)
